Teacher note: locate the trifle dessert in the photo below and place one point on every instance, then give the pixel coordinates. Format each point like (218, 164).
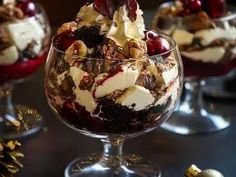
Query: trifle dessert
(108, 77)
(205, 31)
(24, 42)
(107, 74)
(24, 38)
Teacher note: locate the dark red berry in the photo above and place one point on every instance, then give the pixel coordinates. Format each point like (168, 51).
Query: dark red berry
(108, 7)
(28, 7)
(65, 40)
(191, 6)
(214, 8)
(132, 7)
(150, 34)
(195, 5)
(157, 45)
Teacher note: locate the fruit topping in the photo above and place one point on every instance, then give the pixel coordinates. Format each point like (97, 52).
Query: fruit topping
(132, 7)
(65, 40)
(215, 8)
(150, 34)
(157, 45)
(108, 7)
(191, 6)
(90, 35)
(28, 7)
(195, 5)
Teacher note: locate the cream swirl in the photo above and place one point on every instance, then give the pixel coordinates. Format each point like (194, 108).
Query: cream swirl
(88, 16)
(120, 29)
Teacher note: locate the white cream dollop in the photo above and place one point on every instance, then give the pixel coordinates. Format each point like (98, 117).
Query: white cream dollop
(88, 16)
(120, 29)
(123, 29)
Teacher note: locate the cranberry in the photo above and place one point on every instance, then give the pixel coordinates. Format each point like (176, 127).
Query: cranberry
(157, 45)
(150, 34)
(215, 8)
(65, 40)
(28, 7)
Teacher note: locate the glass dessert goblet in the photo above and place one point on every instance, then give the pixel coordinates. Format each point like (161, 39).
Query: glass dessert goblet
(113, 99)
(207, 41)
(24, 42)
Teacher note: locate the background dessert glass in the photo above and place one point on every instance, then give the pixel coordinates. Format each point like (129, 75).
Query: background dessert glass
(222, 87)
(105, 117)
(25, 34)
(192, 116)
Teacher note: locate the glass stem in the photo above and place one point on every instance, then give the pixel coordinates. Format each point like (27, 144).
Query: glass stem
(113, 152)
(6, 106)
(193, 95)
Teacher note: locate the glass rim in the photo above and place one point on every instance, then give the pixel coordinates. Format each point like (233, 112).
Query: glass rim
(231, 8)
(173, 46)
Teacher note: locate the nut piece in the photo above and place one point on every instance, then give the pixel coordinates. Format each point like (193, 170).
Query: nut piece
(198, 22)
(135, 49)
(9, 12)
(69, 26)
(78, 48)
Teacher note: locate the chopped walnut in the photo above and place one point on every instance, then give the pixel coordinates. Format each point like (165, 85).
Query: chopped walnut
(9, 12)
(135, 49)
(69, 26)
(198, 22)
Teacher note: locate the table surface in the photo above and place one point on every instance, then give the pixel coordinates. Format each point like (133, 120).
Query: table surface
(48, 152)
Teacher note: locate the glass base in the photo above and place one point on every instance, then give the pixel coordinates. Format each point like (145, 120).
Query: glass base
(190, 123)
(217, 88)
(25, 122)
(91, 166)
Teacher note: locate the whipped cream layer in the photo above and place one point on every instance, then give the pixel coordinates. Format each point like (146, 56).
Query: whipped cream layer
(124, 81)
(120, 29)
(21, 34)
(206, 37)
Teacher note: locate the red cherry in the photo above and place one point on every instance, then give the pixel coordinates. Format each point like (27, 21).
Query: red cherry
(215, 8)
(192, 5)
(195, 5)
(157, 45)
(65, 40)
(28, 7)
(150, 34)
